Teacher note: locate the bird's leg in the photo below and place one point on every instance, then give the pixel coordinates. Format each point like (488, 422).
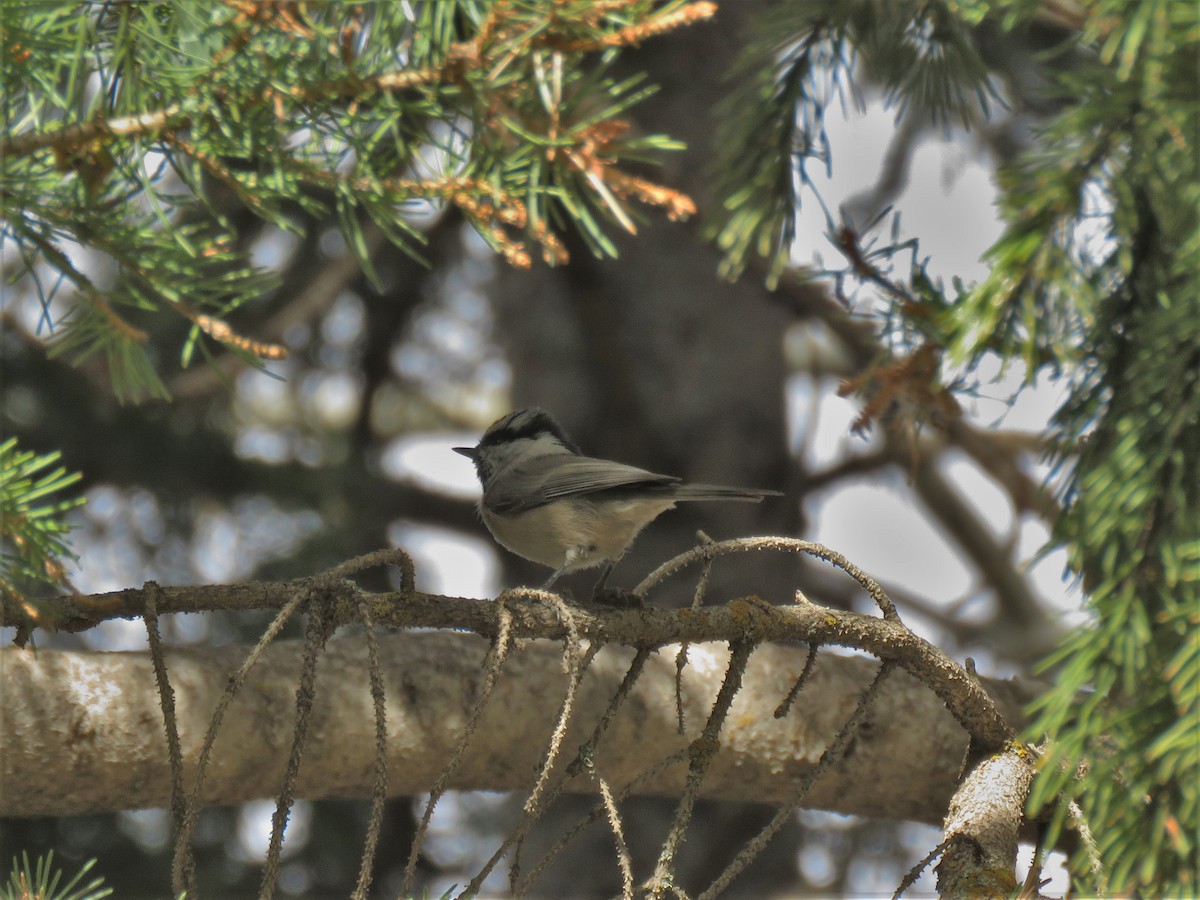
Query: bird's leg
(614, 596)
(574, 554)
(557, 574)
(604, 573)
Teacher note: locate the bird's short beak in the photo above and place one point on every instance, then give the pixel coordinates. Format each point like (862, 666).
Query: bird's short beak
(469, 452)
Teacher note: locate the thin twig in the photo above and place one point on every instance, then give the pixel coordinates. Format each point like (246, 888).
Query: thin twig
(1031, 888)
(915, 872)
(579, 665)
(624, 860)
(809, 662)
(492, 664)
(1079, 823)
(680, 664)
(830, 757)
(596, 813)
(533, 806)
(682, 656)
(789, 545)
(166, 698)
(379, 789)
(182, 867)
(390, 556)
(320, 627)
(580, 763)
(701, 753)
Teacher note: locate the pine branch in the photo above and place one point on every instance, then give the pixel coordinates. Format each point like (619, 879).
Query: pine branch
(32, 531)
(498, 110)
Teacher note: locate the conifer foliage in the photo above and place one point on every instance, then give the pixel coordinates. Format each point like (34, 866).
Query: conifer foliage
(1096, 279)
(118, 117)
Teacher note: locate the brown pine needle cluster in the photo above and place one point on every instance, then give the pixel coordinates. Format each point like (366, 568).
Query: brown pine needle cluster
(592, 157)
(220, 330)
(907, 388)
(679, 206)
(632, 35)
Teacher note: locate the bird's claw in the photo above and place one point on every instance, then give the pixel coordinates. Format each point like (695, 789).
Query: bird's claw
(619, 598)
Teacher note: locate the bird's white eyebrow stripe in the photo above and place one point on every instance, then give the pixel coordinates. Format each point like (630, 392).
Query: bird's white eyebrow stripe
(525, 423)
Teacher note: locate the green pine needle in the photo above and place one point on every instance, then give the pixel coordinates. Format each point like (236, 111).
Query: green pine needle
(33, 550)
(40, 881)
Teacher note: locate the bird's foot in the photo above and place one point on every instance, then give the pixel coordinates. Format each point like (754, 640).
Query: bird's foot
(619, 598)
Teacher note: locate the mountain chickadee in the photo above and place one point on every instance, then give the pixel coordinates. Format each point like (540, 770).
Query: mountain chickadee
(545, 501)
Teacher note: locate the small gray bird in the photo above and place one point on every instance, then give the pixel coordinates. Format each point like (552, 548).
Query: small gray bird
(545, 501)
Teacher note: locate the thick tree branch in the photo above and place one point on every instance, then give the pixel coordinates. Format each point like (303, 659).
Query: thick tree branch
(983, 825)
(739, 620)
(82, 732)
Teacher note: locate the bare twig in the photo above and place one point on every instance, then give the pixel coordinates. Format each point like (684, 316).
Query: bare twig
(697, 602)
(705, 552)
(597, 812)
(584, 761)
(830, 757)
(1032, 887)
(1088, 842)
(914, 873)
(166, 696)
(614, 821)
(320, 627)
(390, 556)
(379, 789)
(809, 661)
(579, 764)
(182, 869)
(492, 664)
(579, 660)
(700, 753)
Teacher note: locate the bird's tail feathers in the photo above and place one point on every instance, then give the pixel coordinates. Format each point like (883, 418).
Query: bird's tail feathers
(720, 492)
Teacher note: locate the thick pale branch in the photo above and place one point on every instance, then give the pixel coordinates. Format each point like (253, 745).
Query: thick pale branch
(82, 732)
(983, 826)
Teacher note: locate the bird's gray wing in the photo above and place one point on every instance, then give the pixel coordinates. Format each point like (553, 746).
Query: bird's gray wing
(537, 482)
